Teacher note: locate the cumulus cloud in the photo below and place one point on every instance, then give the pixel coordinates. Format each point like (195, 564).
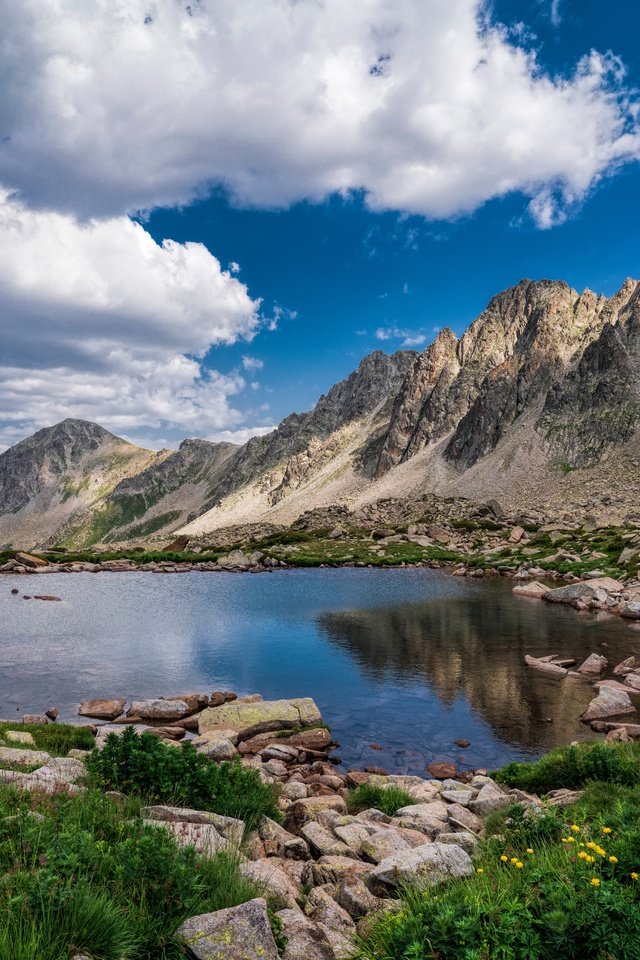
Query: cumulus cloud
(425, 105)
(252, 363)
(101, 322)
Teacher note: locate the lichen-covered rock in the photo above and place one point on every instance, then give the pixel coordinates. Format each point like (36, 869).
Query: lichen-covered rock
(238, 933)
(202, 836)
(271, 879)
(23, 758)
(489, 799)
(264, 715)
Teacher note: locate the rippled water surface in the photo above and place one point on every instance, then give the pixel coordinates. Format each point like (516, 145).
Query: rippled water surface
(405, 660)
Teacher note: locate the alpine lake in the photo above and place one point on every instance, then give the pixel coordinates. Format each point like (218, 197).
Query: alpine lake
(401, 662)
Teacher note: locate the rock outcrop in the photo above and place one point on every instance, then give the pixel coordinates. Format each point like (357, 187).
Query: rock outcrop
(537, 402)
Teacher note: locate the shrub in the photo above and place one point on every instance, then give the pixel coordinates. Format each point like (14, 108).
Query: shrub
(55, 738)
(89, 877)
(143, 766)
(573, 767)
(388, 800)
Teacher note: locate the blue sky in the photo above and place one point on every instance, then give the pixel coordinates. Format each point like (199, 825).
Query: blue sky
(209, 212)
(347, 272)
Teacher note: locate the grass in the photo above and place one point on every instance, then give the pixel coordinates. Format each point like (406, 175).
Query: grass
(86, 876)
(143, 766)
(560, 883)
(56, 738)
(575, 766)
(389, 800)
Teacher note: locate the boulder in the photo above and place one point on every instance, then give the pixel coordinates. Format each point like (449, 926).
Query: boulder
(532, 589)
(228, 827)
(353, 895)
(323, 909)
(421, 790)
(489, 799)
(260, 716)
(158, 710)
(272, 880)
(383, 844)
(282, 843)
(308, 808)
(468, 841)
(305, 940)
(202, 836)
(40, 719)
(102, 709)
(608, 703)
(622, 669)
(583, 591)
(429, 864)
(333, 869)
(462, 819)
(236, 560)
(20, 737)
(631, 610)
(323, 842)
(238, 933)
(594, 664)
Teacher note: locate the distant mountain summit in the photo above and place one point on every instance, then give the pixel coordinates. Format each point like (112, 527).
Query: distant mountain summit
(538, 404)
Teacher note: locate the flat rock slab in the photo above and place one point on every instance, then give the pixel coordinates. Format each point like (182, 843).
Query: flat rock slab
(23, 758)
(546, 667)
(594, 664)
(102, 709)
(249, 719)
(608, 703)
(430, 864)
(239, 933)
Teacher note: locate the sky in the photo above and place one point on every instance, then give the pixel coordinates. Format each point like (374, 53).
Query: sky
(211, 211)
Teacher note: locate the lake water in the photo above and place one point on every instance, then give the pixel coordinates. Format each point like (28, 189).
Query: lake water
(405, 660)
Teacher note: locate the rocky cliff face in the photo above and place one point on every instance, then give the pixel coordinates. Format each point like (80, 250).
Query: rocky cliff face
(545, 383)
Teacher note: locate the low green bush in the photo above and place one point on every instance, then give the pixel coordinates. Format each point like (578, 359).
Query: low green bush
(83, 875)
(573, 767)
(56, 738)
(144, 766)
(389, 800)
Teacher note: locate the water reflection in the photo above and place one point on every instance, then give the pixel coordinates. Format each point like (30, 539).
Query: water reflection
(474, 646)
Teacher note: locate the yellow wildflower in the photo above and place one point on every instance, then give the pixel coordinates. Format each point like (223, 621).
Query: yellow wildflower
(504, 858)
(514, 859)
(634, 876)
(591, 845)
(571, 840)
(519, 864)
(529, 850)
(590, 859)
(606, 829)
(583, 856)
(480, 870)
(595, 882)
(575, 828)
(613, 859)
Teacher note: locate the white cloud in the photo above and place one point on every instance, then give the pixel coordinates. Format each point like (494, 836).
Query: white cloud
(422, 104)
(98, 321)
(241, 435)
(252, 363)
(554, 13)
(409, 338)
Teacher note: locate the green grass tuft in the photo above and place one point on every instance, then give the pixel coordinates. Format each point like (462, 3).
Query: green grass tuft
(389, 799)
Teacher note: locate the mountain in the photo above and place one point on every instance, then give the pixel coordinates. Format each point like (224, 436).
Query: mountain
(60, 473)
(537, 404)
